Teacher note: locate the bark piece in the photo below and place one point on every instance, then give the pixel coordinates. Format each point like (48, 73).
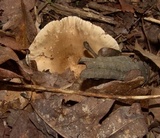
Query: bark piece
(116, 67)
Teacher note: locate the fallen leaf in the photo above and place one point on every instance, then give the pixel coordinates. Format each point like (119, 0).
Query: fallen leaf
(65, 79)
(155, 59)
(9, 41)
(9, 67)
(40, 124)
(4, 130)
(154, 104)
(154, 128)
(126, 7)
(125, 122)
(23, 127)
(6, 54)
(12, 9)
(154, 39)
(19, 21)
(158, 4)
(26, 30)
(11, 98)
(77, 120)
(6, 74)
(47, 79)
(126, 88)
(118, 87)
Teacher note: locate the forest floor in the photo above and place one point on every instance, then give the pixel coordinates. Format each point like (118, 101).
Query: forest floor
(79, 68)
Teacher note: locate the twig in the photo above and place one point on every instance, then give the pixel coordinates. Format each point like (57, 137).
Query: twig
(153, 20)
(89, 94)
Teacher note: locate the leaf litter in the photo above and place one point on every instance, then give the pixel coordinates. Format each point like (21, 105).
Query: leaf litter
(51, 97)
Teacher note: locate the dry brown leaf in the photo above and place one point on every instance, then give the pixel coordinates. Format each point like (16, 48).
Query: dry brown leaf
(42, 126)
(5, 74)
(153, 34)
(158, 4)
(47, 79)
(126, 7)
(9, 42)
(19, 20)
(12, 9)
(6, 54)
(4, 130)
(148, 55)
(125, 122)
(80, 119)
(59, 45)
(9, 67)
(118, 87)
(26, 30)
(126, 88)
(22, 126)
(154, 104)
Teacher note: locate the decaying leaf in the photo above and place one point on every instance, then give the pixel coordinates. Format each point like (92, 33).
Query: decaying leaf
(47, 79)
(125, 122)
(154, 29)
(154, 129)
(11, 10)
(9, 41)
(148, 55)
(17, 17)
(4, 130)
(11, 66)
(155, 104)
(7, 74)
(22, 126)
(78, 119)
(42, 126)
(118, 87)
(126, 7)
(60, 44)
(85, 118)
(6, 54)
(126, 88)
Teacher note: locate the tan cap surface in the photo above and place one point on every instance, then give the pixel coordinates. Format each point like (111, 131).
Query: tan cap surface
(59, 45)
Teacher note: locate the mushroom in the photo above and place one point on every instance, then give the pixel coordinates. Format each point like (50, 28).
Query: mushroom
(59, 45)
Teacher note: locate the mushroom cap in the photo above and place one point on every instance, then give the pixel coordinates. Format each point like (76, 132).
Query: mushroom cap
(59, 45)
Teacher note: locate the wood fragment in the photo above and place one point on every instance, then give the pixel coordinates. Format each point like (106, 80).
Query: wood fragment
(68, 11)
(116, 67)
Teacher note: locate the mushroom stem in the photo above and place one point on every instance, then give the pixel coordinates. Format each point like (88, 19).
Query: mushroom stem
(88, 47)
